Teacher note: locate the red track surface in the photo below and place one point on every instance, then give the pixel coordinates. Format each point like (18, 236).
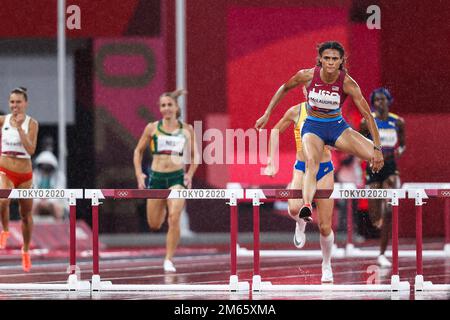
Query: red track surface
(208, 265)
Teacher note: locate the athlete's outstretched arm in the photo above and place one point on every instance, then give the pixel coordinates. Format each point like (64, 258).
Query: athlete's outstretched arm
(288, 118)
(352, 89)
(194, 157)
(300, 78)
(401, 137)
(138, 155)
(363, 129)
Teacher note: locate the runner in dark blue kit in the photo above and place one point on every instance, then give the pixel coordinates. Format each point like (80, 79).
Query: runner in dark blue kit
(392, 134)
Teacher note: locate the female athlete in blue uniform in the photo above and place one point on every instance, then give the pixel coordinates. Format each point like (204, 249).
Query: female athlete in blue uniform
(327, 86)
(296, 115)
(392, 134)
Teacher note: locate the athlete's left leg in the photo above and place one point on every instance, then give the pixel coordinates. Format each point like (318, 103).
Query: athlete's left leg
(5, 183)
(25, 208)
(391, 182)
(294, 206)
(352, 142)
(325, 212)
(312, 150)
(175, 207)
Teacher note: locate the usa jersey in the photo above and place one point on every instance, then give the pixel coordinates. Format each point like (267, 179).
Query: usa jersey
(325, 100)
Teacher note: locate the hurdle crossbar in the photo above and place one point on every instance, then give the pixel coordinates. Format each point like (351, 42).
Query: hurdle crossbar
(232, 195)
(73, 282)
(419, 195)
(393, 194)
(350, 249)
(336, 251)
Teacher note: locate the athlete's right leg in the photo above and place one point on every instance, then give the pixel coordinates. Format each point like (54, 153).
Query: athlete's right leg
(325, 212)
(375, 206)
(294, 206)
(5, 183)
(386, 226)
(156, 213)
(312, 150)
(377, 215)
(175, 208)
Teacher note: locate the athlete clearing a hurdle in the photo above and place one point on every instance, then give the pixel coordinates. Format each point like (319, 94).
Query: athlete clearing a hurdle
(168, 139)
(19, 139)
(325, 180)
(392, 133)
(328, 85)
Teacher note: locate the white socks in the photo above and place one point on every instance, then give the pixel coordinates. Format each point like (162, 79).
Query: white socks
(326, 244)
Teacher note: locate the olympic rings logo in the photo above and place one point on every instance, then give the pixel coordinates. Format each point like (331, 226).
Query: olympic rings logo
(283, 194)
(445, 193)
(122, 193)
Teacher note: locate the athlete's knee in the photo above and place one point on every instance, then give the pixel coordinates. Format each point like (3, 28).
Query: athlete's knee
(312, 164)
(154, 225)
(4, 203)
(325, 228)
(294, 209)
(26, 218)
(388, 216)
(174, 220)
(377, 222)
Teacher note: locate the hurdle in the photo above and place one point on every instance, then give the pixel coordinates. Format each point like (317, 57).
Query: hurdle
(336, 251)
(73, 282)
(393, 194)
(428, 187)
(419, 195)
(232, 195)
(352, 251)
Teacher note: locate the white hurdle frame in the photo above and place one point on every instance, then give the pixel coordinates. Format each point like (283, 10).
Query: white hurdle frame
(73, 283)
(350, 249)
(419, 195)
(232, 195)
(393, 194)
(336, 251)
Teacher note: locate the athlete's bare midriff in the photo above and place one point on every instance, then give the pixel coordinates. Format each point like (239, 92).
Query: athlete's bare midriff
(15, 164)
(167, 163)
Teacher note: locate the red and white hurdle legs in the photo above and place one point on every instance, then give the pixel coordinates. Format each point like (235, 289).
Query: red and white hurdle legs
(74, 281)
(235, 285)
(395, 278)
(257, 284)
(420, 284)
(447, 227)
(395, 286)
(96, 283)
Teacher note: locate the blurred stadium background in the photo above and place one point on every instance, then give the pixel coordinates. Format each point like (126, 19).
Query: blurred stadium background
(238, 52)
